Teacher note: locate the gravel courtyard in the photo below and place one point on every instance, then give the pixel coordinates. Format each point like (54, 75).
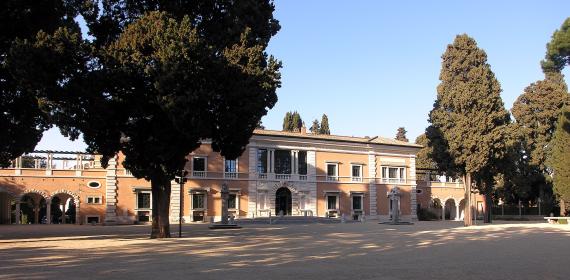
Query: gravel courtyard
(426, 250)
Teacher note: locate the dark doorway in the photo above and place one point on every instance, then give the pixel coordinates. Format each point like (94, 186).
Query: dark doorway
(283, 201)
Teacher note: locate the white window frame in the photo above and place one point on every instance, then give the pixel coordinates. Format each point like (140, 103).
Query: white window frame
(398, 179)
(137, 201)
(361, 196)
(335, 177)
(356, 178)
(192, 194)
(231, 175)
(337, 206)
(237, 194)
(93, 197)
(200, 174)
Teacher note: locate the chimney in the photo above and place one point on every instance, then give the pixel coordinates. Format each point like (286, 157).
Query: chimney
(303, 129)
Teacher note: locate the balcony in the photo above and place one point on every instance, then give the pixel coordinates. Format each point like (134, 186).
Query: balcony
(357, 179)
(302, 177)
(393, 180)
(199, 174)
(283, 176)
(332, 178)
(262, 176)
(231, 175)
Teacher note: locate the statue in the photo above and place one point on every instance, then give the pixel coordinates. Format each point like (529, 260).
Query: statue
(394, 197)
(225, 192)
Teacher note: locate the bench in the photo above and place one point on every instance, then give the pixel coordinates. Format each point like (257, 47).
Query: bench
(552, 220)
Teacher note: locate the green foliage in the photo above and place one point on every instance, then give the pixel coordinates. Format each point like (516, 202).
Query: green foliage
(292, 122)
(558, 49)
(24, 112)
(401, 134)
(325, 125)
(468, 131)
(559, 159)
(315, 127)
(425, 214)
(536, 112)
(424, 158)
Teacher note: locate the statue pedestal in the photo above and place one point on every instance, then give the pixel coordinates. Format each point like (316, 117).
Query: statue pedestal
(225, 224)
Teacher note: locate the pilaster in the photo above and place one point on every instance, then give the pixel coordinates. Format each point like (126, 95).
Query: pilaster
(252, 184)
(372, 185)
(175, 203)
(413, 202)
(111, 192)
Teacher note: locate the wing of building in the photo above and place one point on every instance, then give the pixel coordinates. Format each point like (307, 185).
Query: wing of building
(280, 173)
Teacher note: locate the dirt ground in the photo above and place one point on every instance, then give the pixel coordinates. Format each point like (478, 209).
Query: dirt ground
(425, 250)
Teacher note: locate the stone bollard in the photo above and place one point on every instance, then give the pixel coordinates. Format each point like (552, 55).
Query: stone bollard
(342, 219)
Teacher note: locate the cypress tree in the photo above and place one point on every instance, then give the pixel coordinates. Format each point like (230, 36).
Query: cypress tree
(468, 130)
(296, 122)
(559, 159)
(325, 125)
(424, 159)
(287, 122)
(316, 127)
(401, 134)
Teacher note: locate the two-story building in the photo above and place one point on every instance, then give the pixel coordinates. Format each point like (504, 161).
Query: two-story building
(289, 173)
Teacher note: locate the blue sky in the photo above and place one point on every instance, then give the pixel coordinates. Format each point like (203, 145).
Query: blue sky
(373, 66)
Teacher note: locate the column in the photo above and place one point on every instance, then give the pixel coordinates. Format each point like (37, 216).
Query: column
(457, 211)
(443, 212)
(49, 163)
(48, 211)
(271, 161)
(18, 166)
(18, 220)
(63, 219)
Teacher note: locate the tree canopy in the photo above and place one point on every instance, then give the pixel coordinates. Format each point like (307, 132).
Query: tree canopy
(558, 49)
(315, 127)
(559, 160)
(24, 109)
(536, 112)
(468, 122)
(325, 125)
(424, 158)
(292, 122)
(401, 134)
(157, 78)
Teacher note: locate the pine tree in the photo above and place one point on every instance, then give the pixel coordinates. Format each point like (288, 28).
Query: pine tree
(315, 127)
(297, 122)
(558, 49)
(559, 159)
(401, 134)
(469, 123)
(536, 112)
(325, 125)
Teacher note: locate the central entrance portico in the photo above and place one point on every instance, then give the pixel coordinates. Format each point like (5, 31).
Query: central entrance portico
(283, 201)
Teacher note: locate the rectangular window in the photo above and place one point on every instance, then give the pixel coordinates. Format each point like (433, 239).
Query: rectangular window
(143, 200)
(92, 219)
(282, 162)
(357, 173)
(262, 161)
(357, 202)
(232, 201)
(93, 200)
(231, 168)
(262, 197)
(331, 202)
(198, 200)
(393, 174)
(199, 167)
(302, 162)
(332, 172)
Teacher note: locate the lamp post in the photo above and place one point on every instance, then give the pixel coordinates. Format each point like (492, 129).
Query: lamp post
(181, 180)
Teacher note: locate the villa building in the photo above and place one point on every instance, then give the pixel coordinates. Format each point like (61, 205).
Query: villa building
(289, 173)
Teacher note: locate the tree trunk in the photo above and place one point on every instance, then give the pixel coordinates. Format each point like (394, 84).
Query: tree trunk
(160, 207)
(562, 208)
(487, 213)
(467, 217)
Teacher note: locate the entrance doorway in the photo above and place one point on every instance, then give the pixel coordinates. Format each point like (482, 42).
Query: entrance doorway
(283, 201)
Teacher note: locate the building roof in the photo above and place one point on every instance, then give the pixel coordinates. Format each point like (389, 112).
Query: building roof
(364, 140)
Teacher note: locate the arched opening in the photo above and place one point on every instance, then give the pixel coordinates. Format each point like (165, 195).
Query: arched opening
(33, 209)
(7, 207)
(63, 209)
(436, 207)
(450, 210)
(283, 201)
